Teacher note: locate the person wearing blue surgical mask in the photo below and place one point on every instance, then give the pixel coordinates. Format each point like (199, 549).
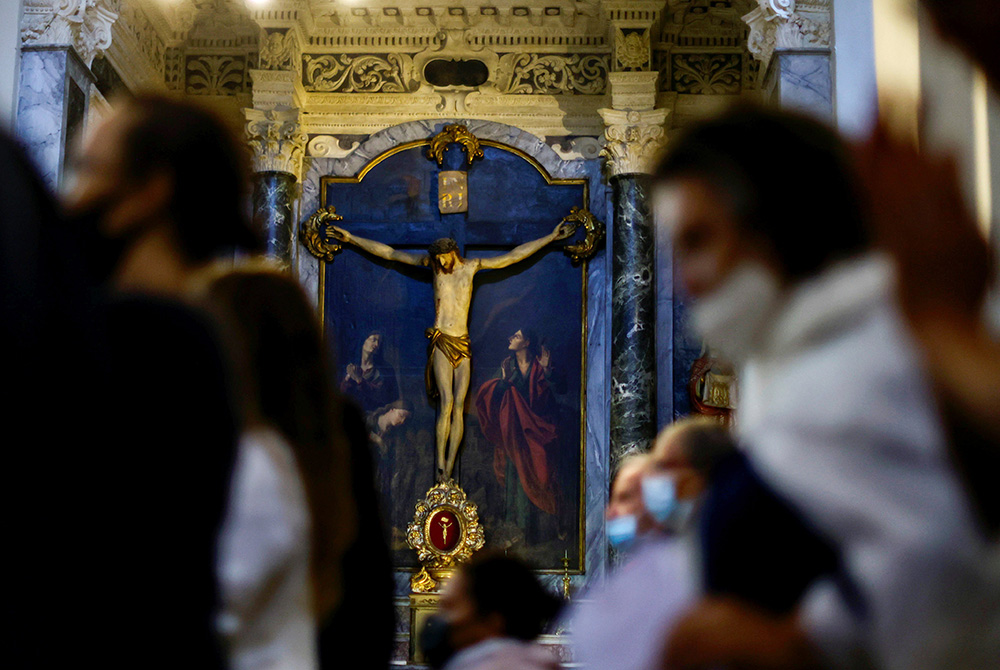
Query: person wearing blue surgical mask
(626, 518)
(619, 624)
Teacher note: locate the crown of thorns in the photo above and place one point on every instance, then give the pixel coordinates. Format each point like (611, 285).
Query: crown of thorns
(443, 246)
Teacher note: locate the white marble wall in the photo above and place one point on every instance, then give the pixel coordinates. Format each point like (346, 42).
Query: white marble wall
(41, 112)
(47, 73)
(10, 52)
(801, 80)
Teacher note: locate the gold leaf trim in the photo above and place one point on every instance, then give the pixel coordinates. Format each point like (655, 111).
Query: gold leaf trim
(448, 496)
(315, 235)
(454, 134)
(595, 235)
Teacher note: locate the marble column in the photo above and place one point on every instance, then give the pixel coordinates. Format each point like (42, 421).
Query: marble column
(273, 213)
(792, 41)
(278, 146)
(633, 307)
(633, 138)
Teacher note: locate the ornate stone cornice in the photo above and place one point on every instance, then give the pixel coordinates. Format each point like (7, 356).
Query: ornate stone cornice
(787, 24)
(84, 25)
(632, 139)
(276, 139)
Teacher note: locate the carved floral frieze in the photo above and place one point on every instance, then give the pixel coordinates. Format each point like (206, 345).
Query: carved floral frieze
(215, 75)
(547, 74)
(366, 73)
(711, 74)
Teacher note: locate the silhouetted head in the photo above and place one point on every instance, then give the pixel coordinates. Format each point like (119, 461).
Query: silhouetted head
(759, 185)
(160, 164)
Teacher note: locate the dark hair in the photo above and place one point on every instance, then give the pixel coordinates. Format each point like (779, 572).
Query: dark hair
(534, 344)
(377, 359)
(442, 246)
(706, 443)
(281, 363)
(209, 167)
(402, 404)
(506, 586)
(787, 179)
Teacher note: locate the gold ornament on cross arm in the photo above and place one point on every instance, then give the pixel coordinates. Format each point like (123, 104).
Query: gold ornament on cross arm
(454, 134)
(315, 234)
(585, 249)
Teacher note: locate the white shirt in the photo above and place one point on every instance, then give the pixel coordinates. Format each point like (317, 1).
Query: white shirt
(622, 624)
(263, 562)
(837, 414)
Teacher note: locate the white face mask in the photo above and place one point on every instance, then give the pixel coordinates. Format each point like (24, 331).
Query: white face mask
(732, 318)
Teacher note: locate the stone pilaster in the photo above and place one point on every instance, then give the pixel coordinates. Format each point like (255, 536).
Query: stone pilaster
(792, 41)
(59, 41)
(634, 134)
(278, 145)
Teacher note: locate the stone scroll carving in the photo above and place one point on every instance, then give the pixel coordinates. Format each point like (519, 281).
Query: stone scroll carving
(83, 24)
(527, 73)
(277, 140)
(787, 24)
(366, 73)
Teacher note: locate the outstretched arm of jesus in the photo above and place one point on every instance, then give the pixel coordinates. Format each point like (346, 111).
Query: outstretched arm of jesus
(562, 231)
(379, 249)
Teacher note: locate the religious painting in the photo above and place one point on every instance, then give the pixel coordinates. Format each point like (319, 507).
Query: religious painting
(518, 371)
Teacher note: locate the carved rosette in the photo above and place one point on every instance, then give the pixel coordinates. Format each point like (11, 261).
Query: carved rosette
(633, 139)
(445, 531)
(787, 24)
(277, 140)
(591, 242)
(83, 24)
(316, 236)
(454, 134)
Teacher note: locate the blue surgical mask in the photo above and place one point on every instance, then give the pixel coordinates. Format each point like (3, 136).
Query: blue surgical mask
(659, 497)
(622, 530)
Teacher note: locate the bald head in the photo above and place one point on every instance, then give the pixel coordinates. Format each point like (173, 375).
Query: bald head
(689, 450)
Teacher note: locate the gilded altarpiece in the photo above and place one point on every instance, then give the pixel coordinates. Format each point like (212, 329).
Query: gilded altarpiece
(376, 312)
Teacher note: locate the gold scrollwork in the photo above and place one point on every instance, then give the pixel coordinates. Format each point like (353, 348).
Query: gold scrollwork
(454, 134)
(449, 497)
(316, 236)
(595, 235)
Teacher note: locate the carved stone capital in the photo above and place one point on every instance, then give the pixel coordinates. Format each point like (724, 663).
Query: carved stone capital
(633, 90)
(277, 140)
(632, 139)
(787, 24)
(83, 24)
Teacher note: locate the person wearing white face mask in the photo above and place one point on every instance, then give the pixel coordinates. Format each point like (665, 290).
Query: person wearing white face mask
(620, 624)
(836, 412)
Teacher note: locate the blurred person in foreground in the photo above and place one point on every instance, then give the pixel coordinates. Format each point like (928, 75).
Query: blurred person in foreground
(290, 516)
(620, 624)
(157, 191)
(837, 415)
(491, 611)
(944, 265)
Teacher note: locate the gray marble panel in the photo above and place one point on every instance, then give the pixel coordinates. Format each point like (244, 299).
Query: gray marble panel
(804, 82)
(41, 109)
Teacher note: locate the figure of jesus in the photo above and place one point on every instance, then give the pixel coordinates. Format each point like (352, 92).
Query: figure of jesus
(449, 358)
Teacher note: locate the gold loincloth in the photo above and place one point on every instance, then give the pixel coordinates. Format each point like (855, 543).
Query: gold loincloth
(454, 347)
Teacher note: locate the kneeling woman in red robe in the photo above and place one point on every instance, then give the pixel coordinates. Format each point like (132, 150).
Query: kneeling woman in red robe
(517, 412)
